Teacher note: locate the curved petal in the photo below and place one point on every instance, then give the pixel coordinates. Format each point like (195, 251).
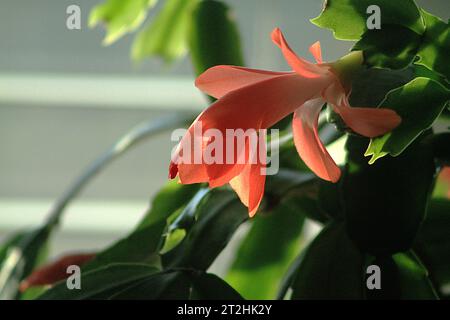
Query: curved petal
(316, 51)
(299, 65)
(308, 144)
(55, 271)
(262, 104)
(184, 162)
(369, 122)
(257, 106)
(220, 80)
(249, 184)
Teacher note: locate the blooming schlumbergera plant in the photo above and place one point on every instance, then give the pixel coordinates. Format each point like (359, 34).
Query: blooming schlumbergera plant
(384, 208)
(255, 99)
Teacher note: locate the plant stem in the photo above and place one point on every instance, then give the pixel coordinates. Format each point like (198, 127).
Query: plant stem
(130, 139)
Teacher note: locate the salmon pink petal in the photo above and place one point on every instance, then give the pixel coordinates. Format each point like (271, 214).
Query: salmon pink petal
(308, 144)
(249, 184)
(262, 104)
(299, 65)
(220, 80)
(369, 122)
(184, 163)
(190, 173)
(316, 51)
(257, 106)
(221, 174)
(55, 271)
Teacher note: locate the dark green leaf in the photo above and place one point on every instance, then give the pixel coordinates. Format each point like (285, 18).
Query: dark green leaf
(385, 202)
(413, 277)
(441, 148)
(187, 217)
(183, 222)
(392, 46)
(330, 201)
(178, 284)
(169, 199)
(208, 286)
(433, 242)
(347, 18)
(388, 279)
(96, 282)
(140, 246)
(267, 251)
(331, 268)
(418, 103)
(287, 180)
(289, 158)
(370, 86)
(174, 285)
(402, 277)
(218, 217)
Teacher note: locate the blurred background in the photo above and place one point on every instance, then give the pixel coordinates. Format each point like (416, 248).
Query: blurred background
(65, 98)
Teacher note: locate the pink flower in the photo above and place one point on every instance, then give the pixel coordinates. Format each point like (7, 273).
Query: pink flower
(257, 99)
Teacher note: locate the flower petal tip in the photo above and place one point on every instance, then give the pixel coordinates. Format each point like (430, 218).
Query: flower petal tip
(332, 175)
(173, 170)
(316, 51)
(252, 213)
(336, 177)
(276, 36)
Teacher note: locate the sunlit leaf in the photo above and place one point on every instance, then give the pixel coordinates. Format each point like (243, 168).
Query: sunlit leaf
(424, 72)
(435, 47)
(120, 17)
(166, 35)
(418, 103)
(347, 18)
